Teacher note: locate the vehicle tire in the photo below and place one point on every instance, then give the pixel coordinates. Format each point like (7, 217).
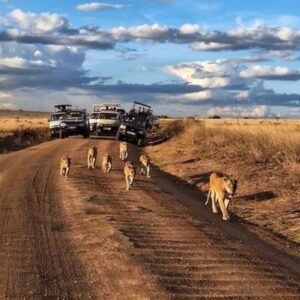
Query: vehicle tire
(140, 142)
(61, 134)
(119, 136)
(85, 135)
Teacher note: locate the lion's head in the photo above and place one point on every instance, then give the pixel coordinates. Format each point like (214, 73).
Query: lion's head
(230, 185)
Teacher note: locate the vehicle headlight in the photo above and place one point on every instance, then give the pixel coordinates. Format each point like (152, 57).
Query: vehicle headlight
(63, 124)
(122, 126)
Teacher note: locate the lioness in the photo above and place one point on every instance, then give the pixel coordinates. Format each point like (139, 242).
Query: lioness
(65, 164)
(123, 150)
(145, 165)
(92, 156)
(129, 172)
(221, 190)
(106, 163)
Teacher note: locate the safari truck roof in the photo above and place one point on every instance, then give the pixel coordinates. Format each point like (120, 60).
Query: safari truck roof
(60, 108)
(108, 106)
(141, 104)
(141, 108)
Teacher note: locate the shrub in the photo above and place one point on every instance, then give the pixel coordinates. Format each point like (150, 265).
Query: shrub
(22, 138)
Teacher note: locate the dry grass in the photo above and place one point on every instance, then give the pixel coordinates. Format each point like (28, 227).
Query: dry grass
(21, 129)
(255, 143)
(22, 138)
(14, 120)
(263, 155)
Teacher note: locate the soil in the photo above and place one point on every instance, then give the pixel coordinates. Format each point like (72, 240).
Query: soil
(87, 237)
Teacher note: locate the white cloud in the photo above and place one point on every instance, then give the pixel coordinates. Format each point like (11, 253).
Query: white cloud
(38, 23)
(256, 36)
(207, 74)
(139, 33)
(286, 33)
(21, 63)
(271, 73)
(287, 55)
(48, 67)
(189, 29)
(37, 53)
(7, 105)
(195, 97)
(243, 95)
(4, 95)
(210, 46)
(96, 6)
(293, 112)
(260, 111)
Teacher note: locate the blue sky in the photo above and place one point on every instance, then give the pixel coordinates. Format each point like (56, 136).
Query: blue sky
(228, 57)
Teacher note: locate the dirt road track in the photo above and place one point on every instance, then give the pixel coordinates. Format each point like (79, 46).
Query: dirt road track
(86, 237)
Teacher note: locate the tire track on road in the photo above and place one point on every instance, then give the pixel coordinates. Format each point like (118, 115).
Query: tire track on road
(37, 260)
(188, 257)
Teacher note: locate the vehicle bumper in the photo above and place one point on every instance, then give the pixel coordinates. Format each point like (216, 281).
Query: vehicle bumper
(54, 131)
(93, 128)
(130, 134)
(107, 130)
(74, 131)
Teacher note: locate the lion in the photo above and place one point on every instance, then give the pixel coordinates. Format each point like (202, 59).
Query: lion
(129, 172)
(92, 156)
(106, 163)
(145, 165)
(123, 150)
(221, 190)
(65, 164)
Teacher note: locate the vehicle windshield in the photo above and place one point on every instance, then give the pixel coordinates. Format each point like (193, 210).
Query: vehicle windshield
(75, 115)
(134, 120)
(94, 116)
(108, 116)
(56, 117)
(121, 111)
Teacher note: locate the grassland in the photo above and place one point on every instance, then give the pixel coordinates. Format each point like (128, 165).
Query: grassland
(264, 155)
(14, 120)
(21, 129)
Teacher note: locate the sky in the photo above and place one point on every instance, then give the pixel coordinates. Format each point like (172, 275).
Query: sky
(197, 57)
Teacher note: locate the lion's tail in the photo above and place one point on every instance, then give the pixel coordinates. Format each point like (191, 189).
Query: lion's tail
(208, 195)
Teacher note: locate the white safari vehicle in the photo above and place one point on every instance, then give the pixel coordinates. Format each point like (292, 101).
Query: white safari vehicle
(105, 119)
(57, 117)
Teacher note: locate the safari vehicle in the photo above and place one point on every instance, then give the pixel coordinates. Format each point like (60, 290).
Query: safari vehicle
(74, 122)
(93, 121)
(135, 124)
(154, 122)
(105, 119)
(56, 118)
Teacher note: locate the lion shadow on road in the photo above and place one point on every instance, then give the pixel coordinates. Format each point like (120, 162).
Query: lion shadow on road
(261, 196)
(191, 160)
(102, 137)
(199, 178)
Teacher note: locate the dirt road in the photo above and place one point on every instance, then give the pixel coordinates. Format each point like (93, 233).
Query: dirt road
(85, 237)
